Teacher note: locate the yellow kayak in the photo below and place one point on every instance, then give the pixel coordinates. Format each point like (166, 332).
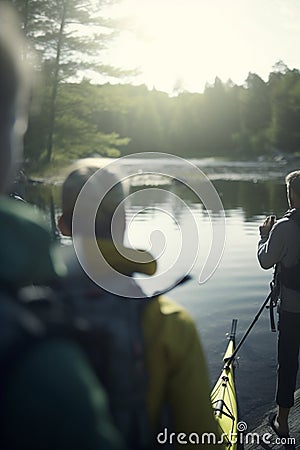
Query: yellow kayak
(223, 396)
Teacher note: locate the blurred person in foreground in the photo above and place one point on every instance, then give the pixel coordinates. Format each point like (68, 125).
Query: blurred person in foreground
(50, 398)
(177, 372)
(279, 246)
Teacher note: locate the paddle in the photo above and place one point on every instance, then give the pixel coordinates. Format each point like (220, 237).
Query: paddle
(270, 299)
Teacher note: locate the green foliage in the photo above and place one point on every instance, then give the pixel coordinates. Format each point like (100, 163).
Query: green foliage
(244, 122)
(285, 92)
(60, 32)
(78, 131)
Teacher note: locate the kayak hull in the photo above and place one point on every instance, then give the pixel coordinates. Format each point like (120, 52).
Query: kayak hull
(223, 397)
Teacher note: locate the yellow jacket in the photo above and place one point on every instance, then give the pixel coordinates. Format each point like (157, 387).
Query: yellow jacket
(177, 370)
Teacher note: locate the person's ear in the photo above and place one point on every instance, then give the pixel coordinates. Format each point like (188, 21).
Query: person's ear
(63, 227)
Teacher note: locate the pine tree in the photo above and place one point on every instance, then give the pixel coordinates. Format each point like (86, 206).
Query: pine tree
(69, 36)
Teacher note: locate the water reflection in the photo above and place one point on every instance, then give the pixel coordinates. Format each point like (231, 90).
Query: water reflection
(255, 199)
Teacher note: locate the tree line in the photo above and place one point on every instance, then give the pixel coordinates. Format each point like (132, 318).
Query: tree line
(77, 118)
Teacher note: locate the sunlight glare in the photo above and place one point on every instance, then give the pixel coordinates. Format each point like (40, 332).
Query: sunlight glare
(189, 41)
(196, 40)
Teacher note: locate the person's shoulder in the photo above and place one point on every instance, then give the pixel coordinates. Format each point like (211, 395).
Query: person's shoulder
(284, 225)
(25, 239)
(23, 221)
(20, 212)
(172, 326)
(167, 308)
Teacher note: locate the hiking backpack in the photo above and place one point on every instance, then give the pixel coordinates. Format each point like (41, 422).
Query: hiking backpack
(108, 329)
(290, 276)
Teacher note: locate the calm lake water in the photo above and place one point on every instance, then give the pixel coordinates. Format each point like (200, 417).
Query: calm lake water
(249, 192)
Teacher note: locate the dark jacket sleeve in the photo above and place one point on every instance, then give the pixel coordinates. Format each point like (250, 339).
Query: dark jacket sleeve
(272, 249)
(53, 401)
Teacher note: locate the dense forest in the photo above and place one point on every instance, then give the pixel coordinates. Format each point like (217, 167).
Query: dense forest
(78, 119)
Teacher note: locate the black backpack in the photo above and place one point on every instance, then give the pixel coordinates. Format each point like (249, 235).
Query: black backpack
(108, 329)
(290, 276)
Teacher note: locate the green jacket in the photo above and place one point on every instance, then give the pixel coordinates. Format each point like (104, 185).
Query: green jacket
(52, 399)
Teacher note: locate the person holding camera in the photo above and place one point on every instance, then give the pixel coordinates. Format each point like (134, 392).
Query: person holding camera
(279, 246)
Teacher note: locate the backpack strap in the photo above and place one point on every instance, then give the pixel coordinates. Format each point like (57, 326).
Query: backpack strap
(274, 296)
(138, 431)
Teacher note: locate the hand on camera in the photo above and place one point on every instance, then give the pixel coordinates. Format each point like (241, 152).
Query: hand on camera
(265, 228)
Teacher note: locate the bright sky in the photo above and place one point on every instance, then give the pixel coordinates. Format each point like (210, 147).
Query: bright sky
(193, 41)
